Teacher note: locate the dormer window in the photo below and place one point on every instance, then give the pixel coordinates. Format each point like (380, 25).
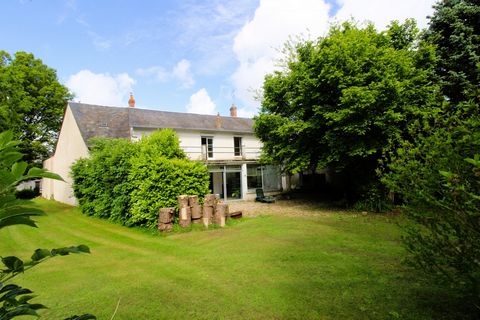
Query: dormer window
(103, 124)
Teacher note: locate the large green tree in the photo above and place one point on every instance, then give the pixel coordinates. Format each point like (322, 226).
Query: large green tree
(455, 30)
(342, 100)
(32, 102)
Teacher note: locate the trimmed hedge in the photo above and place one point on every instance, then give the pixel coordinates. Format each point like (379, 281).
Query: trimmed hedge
(129, 181)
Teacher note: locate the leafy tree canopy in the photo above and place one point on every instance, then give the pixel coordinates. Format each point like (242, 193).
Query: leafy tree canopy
(455, 30)
(32, 102)
(342, 100)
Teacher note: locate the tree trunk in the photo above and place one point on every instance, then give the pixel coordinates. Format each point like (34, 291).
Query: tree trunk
(184, 217)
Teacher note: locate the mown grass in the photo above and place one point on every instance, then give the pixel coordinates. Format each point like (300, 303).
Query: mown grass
(325, 266)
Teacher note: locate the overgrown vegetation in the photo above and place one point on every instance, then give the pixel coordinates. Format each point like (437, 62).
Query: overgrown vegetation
(397, 107)
(437, 172)
(15, 301)
(129, 181)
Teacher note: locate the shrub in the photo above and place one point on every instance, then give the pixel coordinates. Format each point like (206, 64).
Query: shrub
(101, 182)
(27, 193)
(438, 177)
(129, 181)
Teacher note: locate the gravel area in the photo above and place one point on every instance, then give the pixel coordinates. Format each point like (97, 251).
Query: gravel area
(280, 207)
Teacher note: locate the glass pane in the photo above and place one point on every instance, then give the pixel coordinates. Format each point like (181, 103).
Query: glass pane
(234, 189)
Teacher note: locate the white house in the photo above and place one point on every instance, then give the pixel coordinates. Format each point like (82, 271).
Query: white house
(227, 146)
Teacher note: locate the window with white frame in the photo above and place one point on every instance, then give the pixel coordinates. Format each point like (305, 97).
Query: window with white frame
(207, 147)
(237, 146)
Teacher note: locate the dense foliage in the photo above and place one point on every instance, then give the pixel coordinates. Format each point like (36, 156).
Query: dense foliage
(438, 177)
(128, 182)
(15, 300)
(455, 30)
(437, 172)
(345, 99)
(32, 102)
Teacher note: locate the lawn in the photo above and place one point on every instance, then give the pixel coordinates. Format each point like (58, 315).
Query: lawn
(324, 265)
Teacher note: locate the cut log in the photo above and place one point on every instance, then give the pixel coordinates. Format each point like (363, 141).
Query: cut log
(192, 201)
(210, 200)
(182, 201)
(184, 223)
(184, 217)
(197, 221)
(196, 211)
(236, 215)
(207, 215)
(220, 214)
(184, 213)
(166, 215)
(165, 227)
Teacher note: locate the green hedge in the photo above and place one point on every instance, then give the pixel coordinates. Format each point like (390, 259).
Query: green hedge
(129, 181)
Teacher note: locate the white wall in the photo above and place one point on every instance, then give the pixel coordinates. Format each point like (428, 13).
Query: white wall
(223, 146)
(70, 147)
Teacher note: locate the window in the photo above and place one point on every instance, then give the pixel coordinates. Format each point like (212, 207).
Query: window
(237, 146)
(207, 147)
(254, 176)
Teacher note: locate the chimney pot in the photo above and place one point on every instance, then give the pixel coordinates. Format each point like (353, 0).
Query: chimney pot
(233, 110)
(131, 101)
(218, 121)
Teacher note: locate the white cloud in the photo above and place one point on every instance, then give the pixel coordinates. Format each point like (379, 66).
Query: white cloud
(201, 103)
(180, 72)
(101, 88)
(257, 44)
(382, 12)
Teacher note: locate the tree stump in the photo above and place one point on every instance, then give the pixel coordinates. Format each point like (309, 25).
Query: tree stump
(193, 201)
(210, 200)
(220, 215)
(207, 215)
(165, 219)
(197, 221)
(184, 217)
(182, 201)
(165, 227)
(196, 211)
(166, 215)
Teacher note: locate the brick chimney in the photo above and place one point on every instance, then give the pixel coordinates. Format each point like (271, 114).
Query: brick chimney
(218, 121)
(233, 110)
(131, 101)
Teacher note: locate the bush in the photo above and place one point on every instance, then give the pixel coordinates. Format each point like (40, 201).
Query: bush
(128, 182)
(438, 177)
(27, 193)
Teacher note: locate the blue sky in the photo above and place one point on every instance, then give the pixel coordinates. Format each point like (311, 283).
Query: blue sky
(185, 55)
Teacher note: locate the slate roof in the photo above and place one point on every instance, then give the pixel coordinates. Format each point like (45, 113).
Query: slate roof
(115, 122)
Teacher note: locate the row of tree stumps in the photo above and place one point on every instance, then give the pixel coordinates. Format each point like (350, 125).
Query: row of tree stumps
(191, 211)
